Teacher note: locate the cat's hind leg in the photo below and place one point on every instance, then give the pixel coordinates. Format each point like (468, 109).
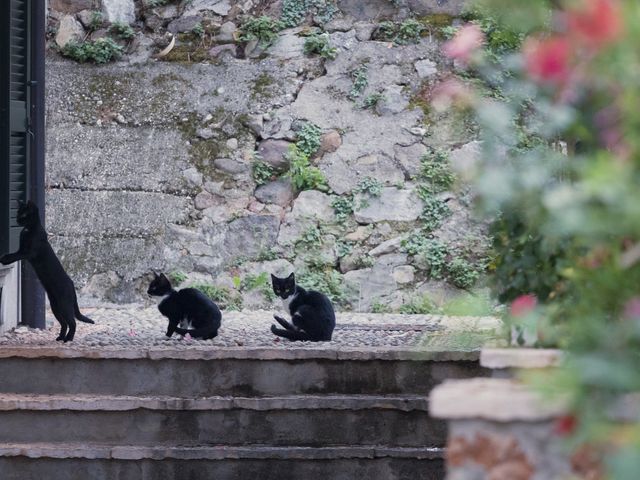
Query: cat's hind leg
(206, 333)
(59, 314)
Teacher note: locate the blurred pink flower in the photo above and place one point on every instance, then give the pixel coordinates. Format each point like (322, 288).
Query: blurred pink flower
(523, 305)
(596, 22)
(465, 43)
(451, 92)
(548, 60)
(632, 308)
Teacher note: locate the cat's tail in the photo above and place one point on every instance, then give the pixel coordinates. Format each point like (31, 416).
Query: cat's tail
(80, 316)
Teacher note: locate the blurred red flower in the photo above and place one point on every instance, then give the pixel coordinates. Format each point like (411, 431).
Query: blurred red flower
(565, 425)
(548, 60)
(596, 22)
(523, 305)
(465, 43)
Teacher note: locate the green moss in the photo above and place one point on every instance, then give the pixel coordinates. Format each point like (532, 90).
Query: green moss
(188, 53)
(436, 24)
(165, 79)
(262, 86)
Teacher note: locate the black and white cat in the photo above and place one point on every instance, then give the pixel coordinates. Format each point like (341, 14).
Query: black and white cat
(312, 315)
(188, 310)
(36, 249)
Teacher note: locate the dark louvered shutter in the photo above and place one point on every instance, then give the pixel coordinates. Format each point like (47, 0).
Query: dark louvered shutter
(14, 92)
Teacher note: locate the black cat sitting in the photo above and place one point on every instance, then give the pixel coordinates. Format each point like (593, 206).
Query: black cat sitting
(36, 249)
(188, 310)
(312, 315)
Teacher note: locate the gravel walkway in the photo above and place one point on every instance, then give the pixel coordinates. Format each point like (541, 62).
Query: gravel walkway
(140, 326)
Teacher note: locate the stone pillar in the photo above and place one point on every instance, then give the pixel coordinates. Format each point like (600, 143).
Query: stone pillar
(10, 295)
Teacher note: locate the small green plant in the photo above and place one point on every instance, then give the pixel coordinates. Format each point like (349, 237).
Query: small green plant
(311, 237)
(295, 11)
(102, 50)
(96, 21)
(326, 280)
(319, 45)
(177, 277)
(435, 254)
(309, 138)
(370, 186)
(259, 282)
(434, 212)
(264, 29)
(371, 101)
(343, 248)
(266, 255)
(262, 172)
(304, 176)
(435, 172)
(225, 299)
(122, 30)
(402, 33)
(360, 81)
(462, 274)
(420, 306)
(378, 307)
(198, 30)
(343, 207)
(155, 3)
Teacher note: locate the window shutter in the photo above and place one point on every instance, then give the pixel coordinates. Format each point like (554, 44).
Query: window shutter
(14, 92)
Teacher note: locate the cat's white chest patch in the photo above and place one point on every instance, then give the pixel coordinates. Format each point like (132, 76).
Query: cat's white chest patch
(186, 324)
(286, 302)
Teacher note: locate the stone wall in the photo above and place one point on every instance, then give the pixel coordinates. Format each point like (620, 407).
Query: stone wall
(150, 160)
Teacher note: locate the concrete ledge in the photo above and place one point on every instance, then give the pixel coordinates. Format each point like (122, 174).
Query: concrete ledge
(240, 353)
(501, 358)
(10, 402)
(254, 452)
(496, 399)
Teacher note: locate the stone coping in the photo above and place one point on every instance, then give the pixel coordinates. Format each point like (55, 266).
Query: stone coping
(501, 358)
(495, 399)
(256, 452)
(119, 403)
(239, 353)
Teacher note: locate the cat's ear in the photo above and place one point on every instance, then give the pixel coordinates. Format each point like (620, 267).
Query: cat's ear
(292, 276)
(164, 277)
(274, 278)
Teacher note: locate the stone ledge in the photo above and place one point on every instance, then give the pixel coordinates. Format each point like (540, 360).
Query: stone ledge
(255, 452)
(501, 358)
(117, 403)
(496, 399)
(240, 353)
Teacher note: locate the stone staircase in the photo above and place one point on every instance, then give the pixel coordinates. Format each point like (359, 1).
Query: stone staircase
(230, 413)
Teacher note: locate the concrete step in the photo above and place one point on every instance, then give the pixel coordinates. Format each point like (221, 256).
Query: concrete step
(310, 420)
(81, 461)
(230, 371)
